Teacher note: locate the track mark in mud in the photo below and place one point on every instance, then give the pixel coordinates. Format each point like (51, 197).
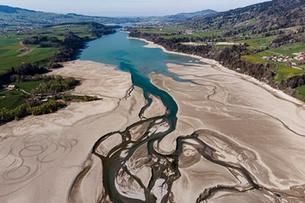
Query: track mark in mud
(165, 167)
(122, 185)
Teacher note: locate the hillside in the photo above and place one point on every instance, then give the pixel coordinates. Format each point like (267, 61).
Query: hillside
(18, 17)
(257, 18)
(187, 16)
(264, 40)
(11, 17)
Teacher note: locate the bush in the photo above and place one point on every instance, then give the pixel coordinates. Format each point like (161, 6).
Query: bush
(48, 107)
(19, 112)
(76, 98)
(25, 109)
(57, 84)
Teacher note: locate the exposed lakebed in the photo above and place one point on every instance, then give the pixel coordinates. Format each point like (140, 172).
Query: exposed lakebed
(156, 159)
(180, 131)
(140, 61)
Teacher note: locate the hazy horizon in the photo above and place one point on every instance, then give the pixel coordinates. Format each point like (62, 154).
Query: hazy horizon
(128, 7)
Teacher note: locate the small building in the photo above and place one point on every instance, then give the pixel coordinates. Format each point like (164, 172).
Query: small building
(10, 87)
(188, 32)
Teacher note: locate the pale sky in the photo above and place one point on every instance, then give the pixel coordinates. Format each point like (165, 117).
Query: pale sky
(127, 7)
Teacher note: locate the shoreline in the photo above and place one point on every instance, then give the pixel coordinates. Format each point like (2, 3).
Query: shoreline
(276, 92)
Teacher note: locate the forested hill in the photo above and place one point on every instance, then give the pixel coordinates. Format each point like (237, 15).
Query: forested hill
(186, 16)
(257, 18)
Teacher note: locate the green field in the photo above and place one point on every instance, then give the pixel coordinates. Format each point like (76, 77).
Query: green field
(11, 53)
(161, 30)
(289, 49)
(283, 71)
(257, 43)
(197, 34)
(258, 58)
(28, 86)
(59, 31)
(37, 95)
(11, 99)
(300, 92)
(177, 32)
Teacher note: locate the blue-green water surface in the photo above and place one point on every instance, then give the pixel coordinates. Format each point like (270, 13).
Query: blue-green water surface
(131, 55)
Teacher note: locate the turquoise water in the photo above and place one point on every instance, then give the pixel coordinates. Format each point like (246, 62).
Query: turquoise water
(118, 50)
(132, 56)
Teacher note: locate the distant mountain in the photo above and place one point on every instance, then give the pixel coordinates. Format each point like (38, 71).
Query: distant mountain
(258, 18)
(12, 16)
(16, 17)
(186, 16)
(7, 9)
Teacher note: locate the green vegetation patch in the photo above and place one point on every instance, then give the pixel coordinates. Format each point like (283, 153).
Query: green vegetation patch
(14, 54)
(37, 96)
(77, 98)
(177, 32)
(54, 85)
(59, 31)
(300, 92)
(282, 69)
(196, 34)
(284, 73)
(160, 30)
(11, 99)
(29, 86)
(257, 58)
(258, 42)
(289, 49)
(25, 109)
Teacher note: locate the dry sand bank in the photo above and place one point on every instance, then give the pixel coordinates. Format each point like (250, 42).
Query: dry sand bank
(41, 156)
(248, 125)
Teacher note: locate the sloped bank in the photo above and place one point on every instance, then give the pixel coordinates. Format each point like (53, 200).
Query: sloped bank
(229, 57)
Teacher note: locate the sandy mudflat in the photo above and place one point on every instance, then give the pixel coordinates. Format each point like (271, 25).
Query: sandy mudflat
(41, 156)
(247, 123)
(155, 109)
(236, 140)
(98, 79)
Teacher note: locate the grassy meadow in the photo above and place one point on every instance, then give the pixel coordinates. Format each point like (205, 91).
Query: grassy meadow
(14, 53)
(300, 93)
(283, 70)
